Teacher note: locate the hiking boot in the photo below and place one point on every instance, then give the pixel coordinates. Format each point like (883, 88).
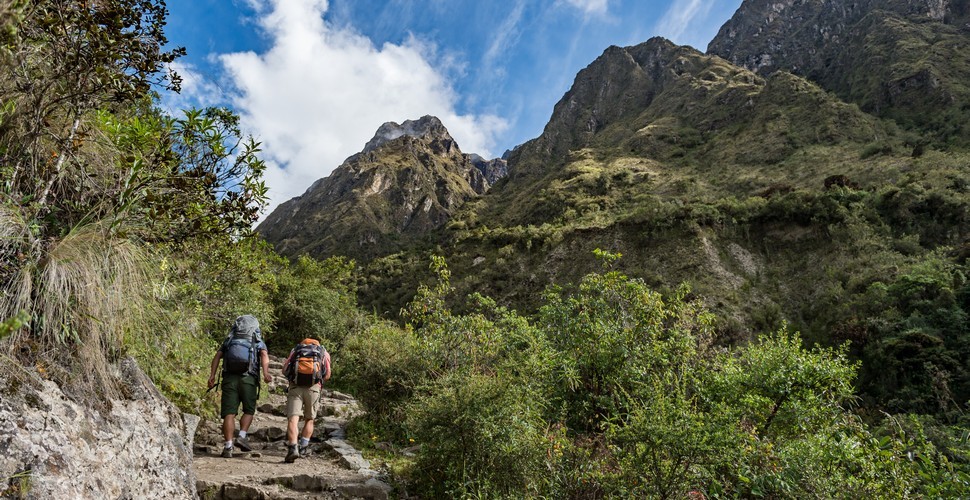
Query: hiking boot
(291, 455)
(305, 451)
(227, 452)
(243, 444)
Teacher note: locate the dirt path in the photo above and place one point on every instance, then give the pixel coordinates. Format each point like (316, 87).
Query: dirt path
(333, 470)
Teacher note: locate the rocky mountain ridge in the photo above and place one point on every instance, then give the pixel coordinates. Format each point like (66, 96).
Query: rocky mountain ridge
(663, 112)
(901, 59)
(407, 182)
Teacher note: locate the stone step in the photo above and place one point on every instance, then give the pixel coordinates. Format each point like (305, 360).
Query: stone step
(301, 486)
(349, 476)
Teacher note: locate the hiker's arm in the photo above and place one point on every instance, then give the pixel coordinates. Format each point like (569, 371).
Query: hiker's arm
(264, 362)
(326, 376)
(212, 369)
(286, 364)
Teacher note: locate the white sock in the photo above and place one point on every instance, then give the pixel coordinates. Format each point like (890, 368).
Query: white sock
(242, 434)
(228, 444)
(304, 441)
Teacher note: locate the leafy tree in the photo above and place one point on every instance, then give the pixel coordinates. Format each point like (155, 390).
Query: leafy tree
(316, 299)
(610, 332)
(104, 200)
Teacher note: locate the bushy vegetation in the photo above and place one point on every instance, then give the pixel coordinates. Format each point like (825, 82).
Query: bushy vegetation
(315, 299)
(614, 390)
(103, 196)
(126, 231)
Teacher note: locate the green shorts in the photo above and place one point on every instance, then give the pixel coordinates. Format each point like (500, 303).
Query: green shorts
(238, 389)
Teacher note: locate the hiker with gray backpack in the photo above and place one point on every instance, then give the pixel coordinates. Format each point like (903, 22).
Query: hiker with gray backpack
(306, 368)
(243, 355)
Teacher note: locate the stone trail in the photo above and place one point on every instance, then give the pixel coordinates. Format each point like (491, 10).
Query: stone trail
(334, 470)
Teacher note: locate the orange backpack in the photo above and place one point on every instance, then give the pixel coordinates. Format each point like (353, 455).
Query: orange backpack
(306, 365)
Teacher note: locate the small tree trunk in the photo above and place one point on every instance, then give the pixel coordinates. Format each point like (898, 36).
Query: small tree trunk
(60, 162)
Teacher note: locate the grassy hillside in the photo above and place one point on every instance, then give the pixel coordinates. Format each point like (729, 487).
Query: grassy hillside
(904, 60)
(776, 201)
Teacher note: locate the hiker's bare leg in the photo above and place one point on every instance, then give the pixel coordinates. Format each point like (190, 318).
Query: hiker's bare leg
(245, 422)
(229, 427)
(307, 429)
(291, 429)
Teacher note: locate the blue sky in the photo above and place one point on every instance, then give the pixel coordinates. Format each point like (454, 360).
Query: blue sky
(314, 79)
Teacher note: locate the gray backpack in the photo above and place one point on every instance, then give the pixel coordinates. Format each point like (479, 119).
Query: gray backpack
(239, 348)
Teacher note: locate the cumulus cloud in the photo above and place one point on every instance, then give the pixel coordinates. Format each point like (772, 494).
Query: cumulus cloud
(598, 7)
(319, 93)
(196, 91)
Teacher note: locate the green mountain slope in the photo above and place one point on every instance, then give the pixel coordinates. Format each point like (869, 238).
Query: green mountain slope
(403, 186)
(774, 199)
(901, 59)
(659, 119)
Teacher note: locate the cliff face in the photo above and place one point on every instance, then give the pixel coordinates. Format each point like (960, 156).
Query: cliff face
(674, 112)
(902, 59)
(406, 183)
(53, 447)
(622, 82)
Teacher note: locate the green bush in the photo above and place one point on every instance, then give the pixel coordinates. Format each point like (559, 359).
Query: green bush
(315, 300)
(481, 436)
(383, 365)
(616, 391)
(608, 333)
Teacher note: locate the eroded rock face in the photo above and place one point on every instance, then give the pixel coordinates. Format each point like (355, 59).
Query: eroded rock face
(799, 35)
(903, 59)
(406, 183)
(493, 169)
(57, 448)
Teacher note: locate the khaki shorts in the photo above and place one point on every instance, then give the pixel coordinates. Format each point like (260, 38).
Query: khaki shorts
(302, 401)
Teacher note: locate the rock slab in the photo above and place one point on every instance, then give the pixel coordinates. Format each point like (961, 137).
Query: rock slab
(56, 447)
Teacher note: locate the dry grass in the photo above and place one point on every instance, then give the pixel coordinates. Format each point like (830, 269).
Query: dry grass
(81, 291)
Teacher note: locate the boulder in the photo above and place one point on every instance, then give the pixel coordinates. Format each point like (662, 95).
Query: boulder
(120, 448)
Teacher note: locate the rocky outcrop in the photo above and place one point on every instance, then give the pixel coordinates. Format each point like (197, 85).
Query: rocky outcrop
(492, 170)
(426, 126)
(903, 59)
(621, 82)
(52, 446)
(406, 183)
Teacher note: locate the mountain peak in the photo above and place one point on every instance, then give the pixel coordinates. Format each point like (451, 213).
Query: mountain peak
(898, 59)
(426, 126)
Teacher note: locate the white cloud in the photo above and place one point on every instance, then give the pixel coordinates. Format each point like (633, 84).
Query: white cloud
(196, 91)
(319, 93)
(682, 22)
(505, 36)
(598, 7)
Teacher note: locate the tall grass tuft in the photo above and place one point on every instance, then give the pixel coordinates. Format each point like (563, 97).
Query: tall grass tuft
(81, 292)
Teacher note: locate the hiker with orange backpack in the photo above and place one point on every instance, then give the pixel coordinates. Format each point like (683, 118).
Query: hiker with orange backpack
(306, 368)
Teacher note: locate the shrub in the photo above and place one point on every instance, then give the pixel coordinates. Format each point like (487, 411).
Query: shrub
(383, 366)
(611, 331)
(315, 299)
(481, 436)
